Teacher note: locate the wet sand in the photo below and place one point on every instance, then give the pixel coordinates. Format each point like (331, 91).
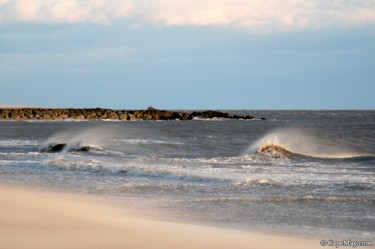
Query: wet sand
(34, 219)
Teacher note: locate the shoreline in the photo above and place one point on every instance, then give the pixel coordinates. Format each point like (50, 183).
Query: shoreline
(35, 219)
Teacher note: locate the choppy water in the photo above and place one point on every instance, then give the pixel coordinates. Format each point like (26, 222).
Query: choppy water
(308, 172)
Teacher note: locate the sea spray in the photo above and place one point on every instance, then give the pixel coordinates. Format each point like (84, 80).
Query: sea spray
(297, 142)
(78, 140)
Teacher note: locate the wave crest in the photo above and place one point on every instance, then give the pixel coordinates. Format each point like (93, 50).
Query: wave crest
(286, 143)
(275, 150)
(67, 147)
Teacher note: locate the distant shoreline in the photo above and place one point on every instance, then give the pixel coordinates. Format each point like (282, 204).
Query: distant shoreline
(34, 113)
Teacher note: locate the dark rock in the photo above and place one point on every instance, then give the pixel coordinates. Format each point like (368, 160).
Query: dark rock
(80, 117)
(15, 114)
(210, 114)
(4, 113)
(94, 114)
(165, 115)
(91, 114)
(146, 115)
(185, 116)
(235, 117)
(112, 115)
(180, 116)
(131, 117)
(28, 114)
(196, 114)
(122, 115)
(216, 114)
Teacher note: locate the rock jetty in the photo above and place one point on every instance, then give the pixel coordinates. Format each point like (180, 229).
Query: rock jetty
(99, 113)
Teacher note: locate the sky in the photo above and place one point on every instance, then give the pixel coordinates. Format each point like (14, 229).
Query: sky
(188, 54)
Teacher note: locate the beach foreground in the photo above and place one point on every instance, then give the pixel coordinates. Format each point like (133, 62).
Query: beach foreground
(32, 219)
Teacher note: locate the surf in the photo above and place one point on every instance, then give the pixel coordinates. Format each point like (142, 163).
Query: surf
(76, 141)
(292, 143)
(65, 147)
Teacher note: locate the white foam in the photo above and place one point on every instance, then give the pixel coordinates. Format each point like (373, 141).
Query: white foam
(15, 142)
(258, 181)
(20, 154)
(146, 141)
(71, 162)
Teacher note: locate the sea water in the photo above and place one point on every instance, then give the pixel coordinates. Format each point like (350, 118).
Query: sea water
(305, 172)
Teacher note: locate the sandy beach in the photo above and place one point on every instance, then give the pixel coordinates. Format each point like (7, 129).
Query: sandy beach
(33, 219)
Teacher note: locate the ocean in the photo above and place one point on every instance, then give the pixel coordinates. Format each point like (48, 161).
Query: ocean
(298, 172)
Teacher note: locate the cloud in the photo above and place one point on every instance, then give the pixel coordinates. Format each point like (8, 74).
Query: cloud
(265, 16)
(96, 11)
(68, 11)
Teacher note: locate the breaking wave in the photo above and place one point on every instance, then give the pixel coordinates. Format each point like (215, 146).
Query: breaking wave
(67, 147)
(76, 141)
(286, 143)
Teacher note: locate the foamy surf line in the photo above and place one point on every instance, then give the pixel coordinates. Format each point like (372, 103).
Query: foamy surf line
(32, 219)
